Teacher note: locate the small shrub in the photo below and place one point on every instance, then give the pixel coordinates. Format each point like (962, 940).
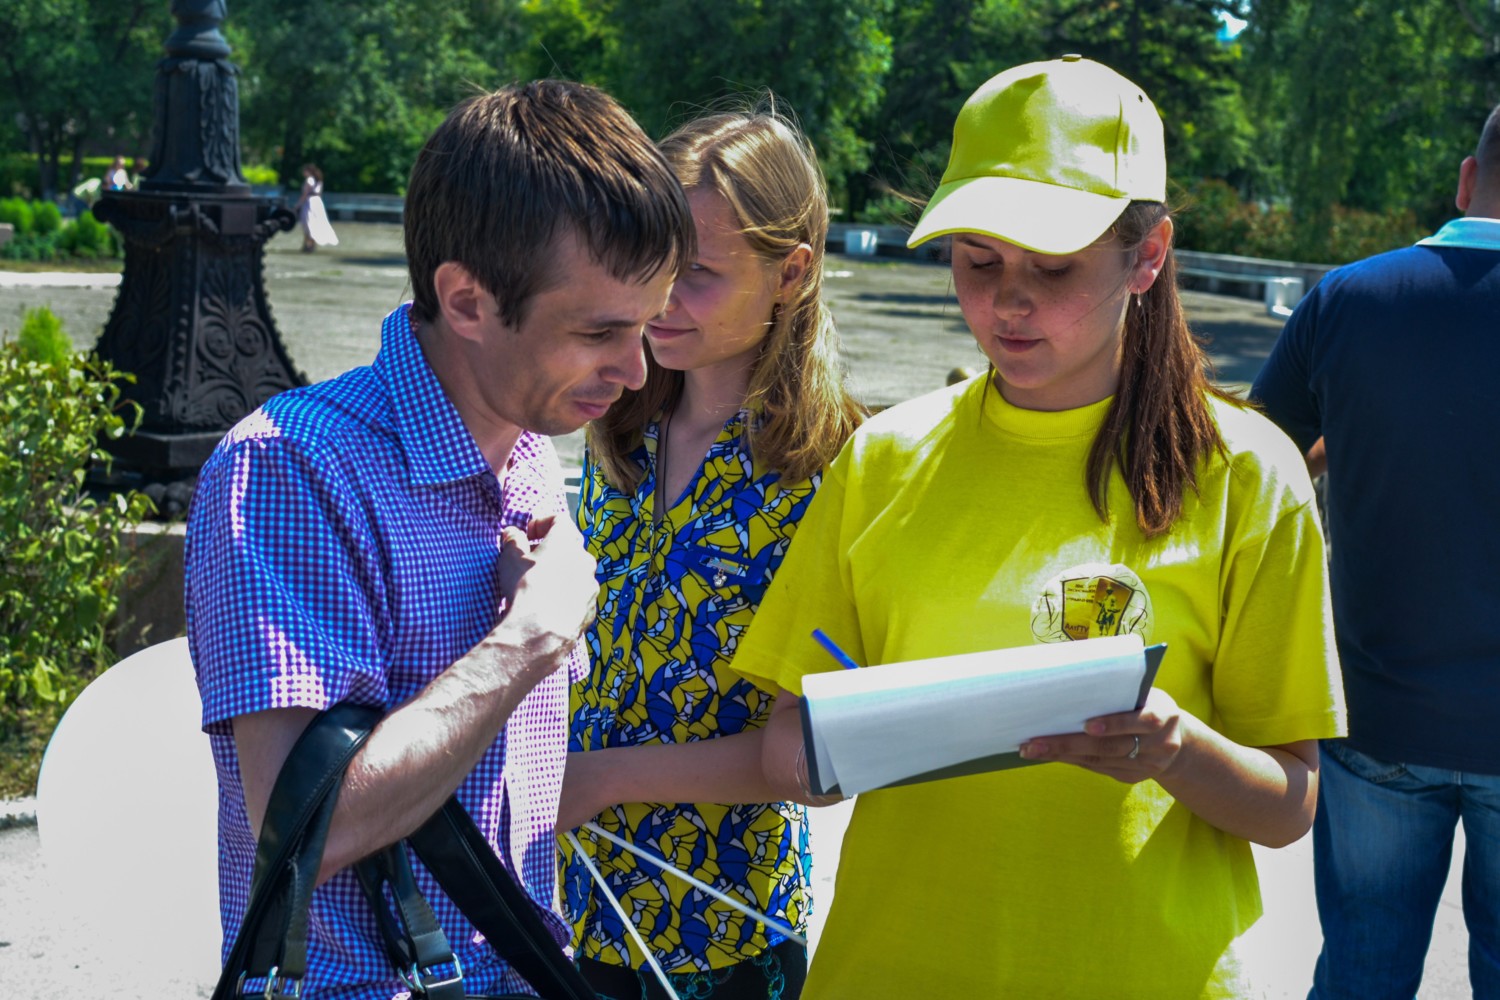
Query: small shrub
(42, 340)
(46, 217)
(261, 176)
(65, 553)
(31, 247)
(86, 236)
(17, 211)
(1212, 219)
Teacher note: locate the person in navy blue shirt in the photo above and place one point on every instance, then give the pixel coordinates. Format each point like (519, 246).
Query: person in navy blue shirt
(398, 537)
(1393, 361)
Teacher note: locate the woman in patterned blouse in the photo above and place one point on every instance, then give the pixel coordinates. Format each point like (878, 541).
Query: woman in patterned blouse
(692, 490)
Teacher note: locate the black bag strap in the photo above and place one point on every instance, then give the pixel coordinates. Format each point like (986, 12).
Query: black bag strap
(272, 940)
(465, 867)
(416, 944)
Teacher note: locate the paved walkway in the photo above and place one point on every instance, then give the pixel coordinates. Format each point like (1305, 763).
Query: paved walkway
(57, 279)
(901, 328)
(902, 333)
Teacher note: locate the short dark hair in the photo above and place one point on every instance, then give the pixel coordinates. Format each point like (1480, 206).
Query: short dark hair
(506, 173)
(1488, 150)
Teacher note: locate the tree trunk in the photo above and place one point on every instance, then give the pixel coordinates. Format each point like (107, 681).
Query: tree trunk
(76, 170)
(48, 158)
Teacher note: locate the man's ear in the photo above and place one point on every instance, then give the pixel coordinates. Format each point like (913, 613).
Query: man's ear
(1468, 180)
(793, 269)
(1151, 257)
(463, 304)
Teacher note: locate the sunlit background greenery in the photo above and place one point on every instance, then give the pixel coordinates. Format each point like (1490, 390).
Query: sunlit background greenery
(1293, 119)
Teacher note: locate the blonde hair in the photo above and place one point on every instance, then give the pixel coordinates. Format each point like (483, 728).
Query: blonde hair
(766, 170)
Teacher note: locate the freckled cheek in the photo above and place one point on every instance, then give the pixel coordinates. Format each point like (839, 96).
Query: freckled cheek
(976, 304)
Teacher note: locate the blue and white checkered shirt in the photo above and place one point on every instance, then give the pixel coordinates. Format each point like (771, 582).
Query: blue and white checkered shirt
(342, 546)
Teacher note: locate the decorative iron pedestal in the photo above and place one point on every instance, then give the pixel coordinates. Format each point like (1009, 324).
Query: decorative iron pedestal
(191, 320)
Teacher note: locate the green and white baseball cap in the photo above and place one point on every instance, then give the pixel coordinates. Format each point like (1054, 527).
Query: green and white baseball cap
(1046, 156)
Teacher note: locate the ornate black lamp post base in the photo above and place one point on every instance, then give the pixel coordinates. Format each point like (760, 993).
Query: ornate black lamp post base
(191, 320)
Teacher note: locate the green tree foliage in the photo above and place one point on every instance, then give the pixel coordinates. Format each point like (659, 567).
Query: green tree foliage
(353, 85)
(670, 59)
(1371, 104)
(1320, 107)
(944, 49)
(76, 71)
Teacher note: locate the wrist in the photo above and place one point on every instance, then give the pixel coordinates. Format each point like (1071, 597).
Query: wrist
(1190, 738)
(528, 650)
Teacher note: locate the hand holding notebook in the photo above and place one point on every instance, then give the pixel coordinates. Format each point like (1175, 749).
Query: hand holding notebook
(922, 720)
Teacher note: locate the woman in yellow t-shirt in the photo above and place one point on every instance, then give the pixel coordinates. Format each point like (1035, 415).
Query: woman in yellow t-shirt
(1091, 483)
(692, 490)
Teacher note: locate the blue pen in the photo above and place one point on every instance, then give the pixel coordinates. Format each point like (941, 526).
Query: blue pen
(834, 651)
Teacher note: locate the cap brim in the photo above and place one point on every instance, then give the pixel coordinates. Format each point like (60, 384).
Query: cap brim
(1043, 217)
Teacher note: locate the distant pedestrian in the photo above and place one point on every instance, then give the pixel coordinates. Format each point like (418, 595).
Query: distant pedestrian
(1390, 362)
(116, 178)
(316, 229)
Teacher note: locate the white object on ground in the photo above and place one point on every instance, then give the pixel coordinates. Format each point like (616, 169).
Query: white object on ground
(58, 279)
(1282, 296)
(127, 807)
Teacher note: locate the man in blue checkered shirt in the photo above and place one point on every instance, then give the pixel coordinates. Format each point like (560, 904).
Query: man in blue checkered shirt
(397, 537)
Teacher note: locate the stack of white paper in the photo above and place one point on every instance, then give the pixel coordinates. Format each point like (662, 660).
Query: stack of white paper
(926, 719)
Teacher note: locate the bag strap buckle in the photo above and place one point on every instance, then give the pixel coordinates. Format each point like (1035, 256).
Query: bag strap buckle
(278, 987)
(417, 979)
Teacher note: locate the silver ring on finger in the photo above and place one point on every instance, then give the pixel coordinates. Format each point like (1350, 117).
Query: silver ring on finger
(1135, 749)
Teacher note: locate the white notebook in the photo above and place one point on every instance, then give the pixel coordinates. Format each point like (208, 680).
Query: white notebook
(922, 720)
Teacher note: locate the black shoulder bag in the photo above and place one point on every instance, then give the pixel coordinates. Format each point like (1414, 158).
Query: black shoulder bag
(272, 941)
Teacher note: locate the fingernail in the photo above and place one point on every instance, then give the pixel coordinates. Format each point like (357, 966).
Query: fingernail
(1030, 751)
(1094, 728)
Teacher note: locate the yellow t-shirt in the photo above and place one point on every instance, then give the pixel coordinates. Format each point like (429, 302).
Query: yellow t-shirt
(957, 523)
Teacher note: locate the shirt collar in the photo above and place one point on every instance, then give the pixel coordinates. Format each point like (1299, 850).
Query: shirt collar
(437, 444)
(1468, 233)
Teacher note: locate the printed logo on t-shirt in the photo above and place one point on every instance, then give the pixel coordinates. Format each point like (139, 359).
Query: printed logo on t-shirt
(1092, 601)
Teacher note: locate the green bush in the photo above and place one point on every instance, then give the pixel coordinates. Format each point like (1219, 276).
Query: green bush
(86, 236)
(46, 217)
(65, 553)
(30, 246)
(261, 176)
(17, 211)
(42, 339)
(1211, 218)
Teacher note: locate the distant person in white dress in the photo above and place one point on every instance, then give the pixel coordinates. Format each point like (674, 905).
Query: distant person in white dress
(316, 230)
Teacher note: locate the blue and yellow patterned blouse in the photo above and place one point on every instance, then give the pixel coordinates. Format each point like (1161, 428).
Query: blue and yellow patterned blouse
(675, 597)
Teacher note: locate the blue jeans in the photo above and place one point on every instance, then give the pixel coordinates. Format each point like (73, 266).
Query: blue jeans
(1382, 847)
